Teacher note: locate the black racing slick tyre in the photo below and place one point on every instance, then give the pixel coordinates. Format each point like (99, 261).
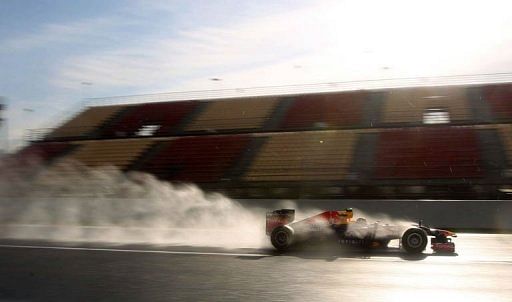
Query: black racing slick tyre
(282, 238)
(414, 240)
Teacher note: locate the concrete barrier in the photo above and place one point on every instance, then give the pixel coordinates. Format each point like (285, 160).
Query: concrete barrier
(470, 215)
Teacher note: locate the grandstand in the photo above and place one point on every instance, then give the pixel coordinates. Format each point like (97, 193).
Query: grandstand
(115, 153)
(499, 98)
(407, 106)
(324, 111)
(163, 117)
(428, 153)
(414, 142)
(297, 156)
(233, 115)
(196, 159)
(83, 124)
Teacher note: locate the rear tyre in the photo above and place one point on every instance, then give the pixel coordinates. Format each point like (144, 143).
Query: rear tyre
(281, 238)
(414, 240)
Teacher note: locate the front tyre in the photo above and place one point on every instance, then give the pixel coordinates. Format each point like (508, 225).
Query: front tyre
(414, 240)
(281, 238)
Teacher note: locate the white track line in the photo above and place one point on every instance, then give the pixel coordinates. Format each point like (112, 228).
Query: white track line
(65, 248)
(449, 260)
(92, 249)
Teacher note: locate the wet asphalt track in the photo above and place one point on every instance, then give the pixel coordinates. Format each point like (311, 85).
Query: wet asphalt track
(43, 271)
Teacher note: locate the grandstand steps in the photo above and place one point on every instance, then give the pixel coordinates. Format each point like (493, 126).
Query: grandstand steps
(179, 128)
(276, 118)
(80, 126)
(145, 156)
(363, 162)
(372, 109)
(480, 110)
(243, 163)
(494, 160)
(99, 133)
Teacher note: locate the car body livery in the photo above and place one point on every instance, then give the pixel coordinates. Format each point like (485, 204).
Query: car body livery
(284, 231)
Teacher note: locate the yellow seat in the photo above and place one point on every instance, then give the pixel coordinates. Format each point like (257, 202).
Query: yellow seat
(409, 104)
(307, 156)
(249, 113)
(85, 122)
(120, 153)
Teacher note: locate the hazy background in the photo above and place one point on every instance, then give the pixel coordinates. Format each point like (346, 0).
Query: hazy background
(54, 54)
(71, 202)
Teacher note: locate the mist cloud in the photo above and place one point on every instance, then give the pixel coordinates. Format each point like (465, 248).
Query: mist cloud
(70, 202)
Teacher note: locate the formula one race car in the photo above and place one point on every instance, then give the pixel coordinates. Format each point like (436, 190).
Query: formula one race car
(285, 232)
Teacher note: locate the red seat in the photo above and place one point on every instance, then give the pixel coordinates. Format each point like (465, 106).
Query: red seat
(499, 98)
(42, 152)
(167, 115)
(423, 153)
(197, 159)
(324, 110)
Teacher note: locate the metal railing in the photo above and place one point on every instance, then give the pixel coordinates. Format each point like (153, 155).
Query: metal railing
(33, 135)
(284, 90)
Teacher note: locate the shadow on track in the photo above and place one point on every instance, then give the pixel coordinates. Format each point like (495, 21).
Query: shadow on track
(324, 251)
(331, 252)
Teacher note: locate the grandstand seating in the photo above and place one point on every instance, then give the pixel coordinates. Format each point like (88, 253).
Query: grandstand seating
(166, 116)
(196, 158)
(506, 136)
(83, 123)
(118, 153)
(499, 98)
(309, 156)
(428, 153)
(408, 105)
(324, 111)
(237, 114)
(44, 151)
(358, 144)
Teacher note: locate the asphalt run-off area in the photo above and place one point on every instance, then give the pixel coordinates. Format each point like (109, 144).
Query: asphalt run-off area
(480, 270)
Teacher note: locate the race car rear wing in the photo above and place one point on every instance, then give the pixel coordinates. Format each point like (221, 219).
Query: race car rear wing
(279, 217)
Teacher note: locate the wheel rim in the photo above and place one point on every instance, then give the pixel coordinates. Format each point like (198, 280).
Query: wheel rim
(282, 238)
(414, 240)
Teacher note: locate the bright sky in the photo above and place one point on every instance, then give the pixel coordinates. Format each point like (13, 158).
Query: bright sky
(56, 53)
